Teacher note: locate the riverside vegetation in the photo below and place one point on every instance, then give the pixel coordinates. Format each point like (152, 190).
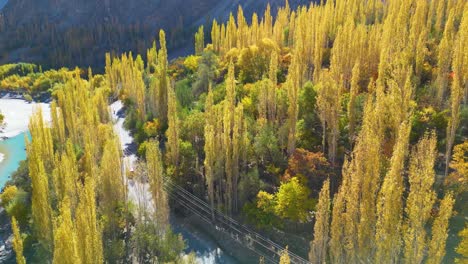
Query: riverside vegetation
(349, 116)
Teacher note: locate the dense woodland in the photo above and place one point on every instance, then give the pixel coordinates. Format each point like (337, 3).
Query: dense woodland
(349, 116)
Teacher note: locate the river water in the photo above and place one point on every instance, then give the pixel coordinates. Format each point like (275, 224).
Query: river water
(13, 151)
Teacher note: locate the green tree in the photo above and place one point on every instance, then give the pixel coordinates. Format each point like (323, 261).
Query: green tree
(293, 201)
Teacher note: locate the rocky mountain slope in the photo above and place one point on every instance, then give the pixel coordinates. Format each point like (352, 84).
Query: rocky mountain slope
(79, 32)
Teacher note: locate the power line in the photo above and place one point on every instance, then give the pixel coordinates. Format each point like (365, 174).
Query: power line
(237, 231)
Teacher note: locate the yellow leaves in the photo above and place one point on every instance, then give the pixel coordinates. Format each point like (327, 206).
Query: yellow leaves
(65, 250)
(457, 180)
(285, 259)
(151, 128)
(199, 40)
(232, 54)
(17, 242)
(420, 199)
(191, 63)
(8, 194)
(462, 248)
(265, 201)
(319, 246)
(460, 159)
(440, 231)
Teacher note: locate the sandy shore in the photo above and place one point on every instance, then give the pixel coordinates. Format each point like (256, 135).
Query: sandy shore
(17, 113)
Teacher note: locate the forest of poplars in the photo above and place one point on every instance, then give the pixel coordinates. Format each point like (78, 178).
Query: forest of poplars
(344, 123)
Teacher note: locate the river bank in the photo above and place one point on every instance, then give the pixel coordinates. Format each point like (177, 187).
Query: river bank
(17, 113)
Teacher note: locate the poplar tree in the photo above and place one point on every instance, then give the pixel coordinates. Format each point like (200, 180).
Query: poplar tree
(209, 164)
(58, 126)
(420, 199)
(17, 242)
(456, 97)
(319, 246)
(89, 235)
(328, 107)
(229, 111)
(172, 132)
(237, 140)
(271, 105)
(437, 244)
(112, 190)
(41, 209)
(444, 58)
(156, 180)
(354, 91)
(284, 258)
(66, 174)
(200, 40)
(65, 250)
(337, 231)
(163, 83)
(389, 205)
(292, 86)
(462, 248)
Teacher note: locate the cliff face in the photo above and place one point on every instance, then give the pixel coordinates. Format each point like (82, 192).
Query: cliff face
(79, 32)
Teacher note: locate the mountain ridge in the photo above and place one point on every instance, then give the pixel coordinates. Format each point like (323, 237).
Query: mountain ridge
(68, 33)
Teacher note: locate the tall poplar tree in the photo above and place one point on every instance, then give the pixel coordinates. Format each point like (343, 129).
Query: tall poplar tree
(88, 235)
(172, 132)
(420, 199)
(163, 83)
(199, 40)
(41, 209)
(65, 246)
(319, 246)
(156, 180)
(389, 204)
(229, 111)
(437, 243)
(17, 242)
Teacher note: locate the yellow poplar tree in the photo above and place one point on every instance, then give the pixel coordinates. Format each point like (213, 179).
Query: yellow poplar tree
(200, 40)
(17, 242)
(389, 205)
(420, 199)
(284, 258)
(156, 179)
(437, 244)
(172, 132)
(41, 209)
(65, 250)
(89, 235)
(319, 246)
(354, 91)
